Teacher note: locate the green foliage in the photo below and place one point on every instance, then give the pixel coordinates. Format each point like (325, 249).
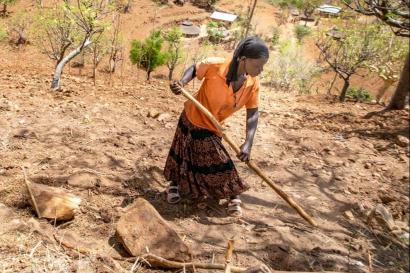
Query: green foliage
(359, 94)
(274, 40)
(3, 33)
(290, 70)
(173, 53)
(147, 54)
(391, 51)
(301, 32)
(216, 31)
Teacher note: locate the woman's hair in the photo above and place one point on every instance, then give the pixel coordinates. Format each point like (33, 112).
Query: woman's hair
(251, 47)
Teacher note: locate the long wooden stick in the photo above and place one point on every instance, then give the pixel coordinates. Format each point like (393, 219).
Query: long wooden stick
(250, 164)
(30, 192)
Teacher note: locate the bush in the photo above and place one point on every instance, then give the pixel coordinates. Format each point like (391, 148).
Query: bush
(147, 54)
(216, 31)
(301, 32)
(359, 94)
(274, 40)
(290, 70)
(3, 33)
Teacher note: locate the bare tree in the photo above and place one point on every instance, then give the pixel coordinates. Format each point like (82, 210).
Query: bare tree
(396, 14)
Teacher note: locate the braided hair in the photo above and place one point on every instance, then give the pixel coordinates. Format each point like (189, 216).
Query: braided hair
(251, 47)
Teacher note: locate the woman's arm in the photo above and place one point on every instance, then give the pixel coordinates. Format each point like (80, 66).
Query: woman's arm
(189, 74)
(252, 116)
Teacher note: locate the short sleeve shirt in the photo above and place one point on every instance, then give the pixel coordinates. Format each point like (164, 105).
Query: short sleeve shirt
(217, 96)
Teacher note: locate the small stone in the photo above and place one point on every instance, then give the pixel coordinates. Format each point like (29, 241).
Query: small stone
(153, 113)
(352, 189)
(164, 116)
(367, 165)
(142, 228)
(348, 214)
(402, 141)
(84, 180)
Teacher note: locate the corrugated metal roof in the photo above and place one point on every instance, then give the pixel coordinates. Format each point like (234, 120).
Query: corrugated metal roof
(329, 9)
(188, 28)
(217, 15)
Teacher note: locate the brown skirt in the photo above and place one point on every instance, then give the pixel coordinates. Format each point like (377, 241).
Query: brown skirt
(200, 164)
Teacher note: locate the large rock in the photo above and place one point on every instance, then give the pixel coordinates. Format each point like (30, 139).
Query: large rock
(142, 229)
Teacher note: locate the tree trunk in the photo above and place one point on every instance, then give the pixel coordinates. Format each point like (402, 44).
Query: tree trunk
(250, 18)
(170, 73)
(398, 101)
(148, 75)
(55, 84)
(344, 90)
(382, 90)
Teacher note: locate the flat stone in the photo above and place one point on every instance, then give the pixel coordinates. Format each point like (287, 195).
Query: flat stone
(53, 203)
(141, 228)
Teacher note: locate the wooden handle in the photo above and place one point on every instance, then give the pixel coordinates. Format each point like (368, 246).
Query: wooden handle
(250, 164)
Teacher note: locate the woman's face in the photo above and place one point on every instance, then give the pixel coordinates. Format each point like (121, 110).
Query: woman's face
(254, 67)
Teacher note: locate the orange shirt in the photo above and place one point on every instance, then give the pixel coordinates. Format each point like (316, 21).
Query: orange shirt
(217, 96)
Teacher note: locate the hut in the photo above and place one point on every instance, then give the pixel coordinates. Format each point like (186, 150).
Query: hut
(189, 30)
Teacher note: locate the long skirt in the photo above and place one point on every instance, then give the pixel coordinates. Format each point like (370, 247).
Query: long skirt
(200, 165)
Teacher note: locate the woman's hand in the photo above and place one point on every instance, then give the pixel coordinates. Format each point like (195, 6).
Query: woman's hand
(176, 87)
(245, 154)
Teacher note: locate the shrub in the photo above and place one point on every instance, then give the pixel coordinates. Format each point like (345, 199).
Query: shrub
(274, 40)
(3, 33)
(216, 31)
(359, 94)
(290, 70)
(147, 54)
(301, 32)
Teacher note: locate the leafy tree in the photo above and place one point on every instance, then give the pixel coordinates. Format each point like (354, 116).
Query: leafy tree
(394, 13)
(147, 54)
(71, 26)
(6, 3)
(174, 50)
(346, 55)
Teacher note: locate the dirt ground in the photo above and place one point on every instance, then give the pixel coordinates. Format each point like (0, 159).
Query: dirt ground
(331, 159)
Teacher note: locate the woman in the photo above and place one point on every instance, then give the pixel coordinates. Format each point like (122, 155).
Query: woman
(198, 164)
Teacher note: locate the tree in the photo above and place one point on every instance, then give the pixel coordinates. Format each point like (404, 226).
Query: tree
(73, 26)
(346, 55)
(174, 54)
(147, 54)
(6, 3)
(18, 29)
(396, 14)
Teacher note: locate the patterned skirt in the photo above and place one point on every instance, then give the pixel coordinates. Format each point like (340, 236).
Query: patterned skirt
(200, 164)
